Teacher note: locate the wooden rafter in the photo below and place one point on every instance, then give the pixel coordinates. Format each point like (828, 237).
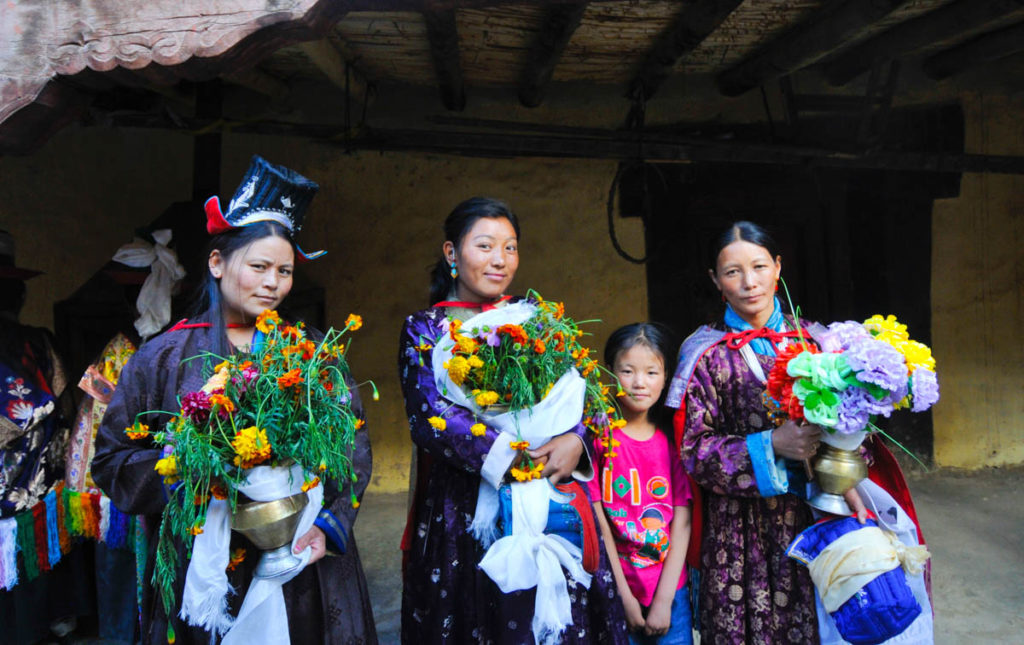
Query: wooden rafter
(560, 22)
(984, 49)
(443, 35)
(694, 22)
(805, 44)
(259, 81)
(330, 60)
(906, 37)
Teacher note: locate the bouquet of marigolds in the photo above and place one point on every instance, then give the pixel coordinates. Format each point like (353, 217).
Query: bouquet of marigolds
(513, 367)
(284, 401)
(862, 370)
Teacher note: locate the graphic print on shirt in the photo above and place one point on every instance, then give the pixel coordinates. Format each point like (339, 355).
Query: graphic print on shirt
(652, 534)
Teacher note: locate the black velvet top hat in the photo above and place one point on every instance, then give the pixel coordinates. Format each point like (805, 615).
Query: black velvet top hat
(8, 269)
(268, 192)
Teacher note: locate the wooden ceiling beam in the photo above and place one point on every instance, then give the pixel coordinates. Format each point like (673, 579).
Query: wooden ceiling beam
(260, 82)
(443, 35)
(906, 37)
(329, 60)
(691, 25)
(560, 22)
(984, 49)
(805, 44)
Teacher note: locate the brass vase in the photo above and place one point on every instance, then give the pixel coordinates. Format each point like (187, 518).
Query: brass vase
(836, 471)
(270, 526)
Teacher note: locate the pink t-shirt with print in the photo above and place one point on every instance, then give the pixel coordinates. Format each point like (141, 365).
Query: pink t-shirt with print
(638, 493)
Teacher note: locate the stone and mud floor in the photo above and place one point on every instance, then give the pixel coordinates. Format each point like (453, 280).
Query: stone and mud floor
(974, 523)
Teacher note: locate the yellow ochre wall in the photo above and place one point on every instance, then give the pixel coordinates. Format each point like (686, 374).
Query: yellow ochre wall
(378, 215)
(977, 304)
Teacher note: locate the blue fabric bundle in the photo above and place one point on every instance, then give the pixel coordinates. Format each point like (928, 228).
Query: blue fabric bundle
(881, 609)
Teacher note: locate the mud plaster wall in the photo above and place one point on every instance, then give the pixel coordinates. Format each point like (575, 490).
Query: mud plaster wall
(378, 215)
(977, 305)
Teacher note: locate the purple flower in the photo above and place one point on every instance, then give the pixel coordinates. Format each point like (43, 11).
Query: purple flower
(196, 406)
(854, 410)
(841, 335)
(925, 386)
(493, 339)
(878, 363)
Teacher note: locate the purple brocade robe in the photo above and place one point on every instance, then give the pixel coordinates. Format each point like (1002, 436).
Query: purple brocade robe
(446, 598)
(750, 592)
(327, 602)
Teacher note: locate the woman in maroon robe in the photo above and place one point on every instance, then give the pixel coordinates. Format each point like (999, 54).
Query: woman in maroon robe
(750, 592)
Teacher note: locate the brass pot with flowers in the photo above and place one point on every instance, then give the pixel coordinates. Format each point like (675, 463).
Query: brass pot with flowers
(251, 450)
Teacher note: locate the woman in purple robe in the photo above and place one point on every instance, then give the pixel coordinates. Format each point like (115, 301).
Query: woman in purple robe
(750, 592)
(446, 597)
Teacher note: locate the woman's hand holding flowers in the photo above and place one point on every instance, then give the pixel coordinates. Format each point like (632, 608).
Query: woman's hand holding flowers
(560, 456)
(798, 442)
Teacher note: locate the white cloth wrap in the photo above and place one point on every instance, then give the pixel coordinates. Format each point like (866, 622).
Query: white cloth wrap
(893, 519)
(262, 618)
(154, 302)
(527, 557)
(843, 441)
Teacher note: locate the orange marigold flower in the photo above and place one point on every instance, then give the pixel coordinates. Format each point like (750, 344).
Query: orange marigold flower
(453, 328)
(519, 445)
(224, 402)
(137, 431)
(423, 347)
(360, 423)
(267, 320)
(244, 366)
(237, 557)
(353, 322)
(291, 333)
(539, 346)
(289, 378)
(517, 333)
(196, 530)
(218, 491)
(310, 484)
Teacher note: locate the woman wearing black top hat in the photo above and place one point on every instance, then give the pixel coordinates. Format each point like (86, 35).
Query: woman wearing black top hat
(251, 260)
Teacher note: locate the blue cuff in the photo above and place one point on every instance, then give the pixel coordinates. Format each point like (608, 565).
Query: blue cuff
(769, 472)
(333, 529)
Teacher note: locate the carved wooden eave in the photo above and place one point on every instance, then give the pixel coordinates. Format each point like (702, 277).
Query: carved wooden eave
(193, 39)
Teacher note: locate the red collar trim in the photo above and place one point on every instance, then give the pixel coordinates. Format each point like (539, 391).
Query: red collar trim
(185, 324)
(483, 306)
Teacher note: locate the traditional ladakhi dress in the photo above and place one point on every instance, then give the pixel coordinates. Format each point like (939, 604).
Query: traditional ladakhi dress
(327, 602)
(446, 598)
(750, 591)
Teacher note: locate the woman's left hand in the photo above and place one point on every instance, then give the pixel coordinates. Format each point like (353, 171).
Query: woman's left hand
(314, 538)
(560, 456)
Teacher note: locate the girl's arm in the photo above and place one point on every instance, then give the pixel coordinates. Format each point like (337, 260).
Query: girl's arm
(856, 504)
(634, 614)
(660, 614)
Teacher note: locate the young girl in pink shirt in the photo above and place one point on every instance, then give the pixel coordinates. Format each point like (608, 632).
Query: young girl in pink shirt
(642, 496)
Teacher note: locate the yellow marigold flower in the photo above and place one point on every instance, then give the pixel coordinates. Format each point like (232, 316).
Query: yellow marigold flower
(453, 328)
(217, 381)
(519, 445)
(547, 390)
(486, 398)
(917, 355)
(458, 368)
(475, 362)
(196, 530)
(466, 345)
(438, 423)
(310, 484)
(223, 365)
(620, 393)
(322, 467)
(168, 469)
(521, 475)
(618, 423)
(224, 402)
(360, 423)
(536, 470)
(353, 322)
(251, 447)
(423, 347)
(137, 431)
(478, 429)
(267, 320)
(290, 378)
